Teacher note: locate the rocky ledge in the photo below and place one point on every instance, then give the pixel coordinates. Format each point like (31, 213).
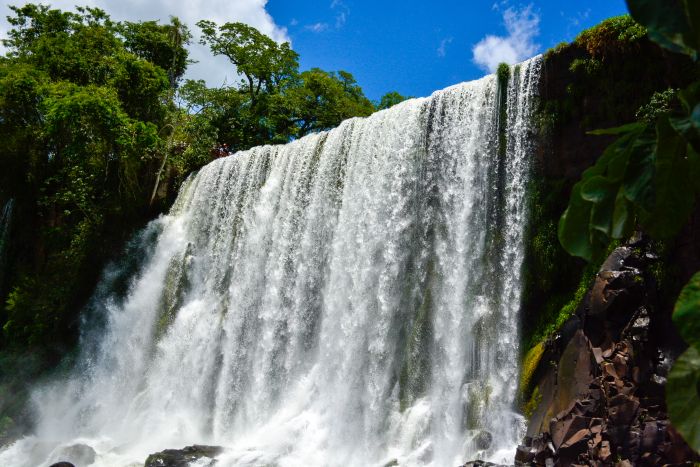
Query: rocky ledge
(602, 379)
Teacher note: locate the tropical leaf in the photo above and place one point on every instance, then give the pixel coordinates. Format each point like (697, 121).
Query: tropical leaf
(623, 217)
(617, 131)
(671, 23)
(673, 185)
(686, 315)
(573, 226)
(639, 173)
(683, 396)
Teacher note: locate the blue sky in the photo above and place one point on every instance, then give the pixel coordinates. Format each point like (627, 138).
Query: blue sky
(410, 46)
(416, 47)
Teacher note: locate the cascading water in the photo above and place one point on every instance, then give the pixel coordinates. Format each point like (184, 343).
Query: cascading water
(350, 298)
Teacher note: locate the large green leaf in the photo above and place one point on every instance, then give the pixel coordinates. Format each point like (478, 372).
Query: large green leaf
(618, 131)
(602, 192)
(623, 217)
(694, 163)
(674, 189)
(683, 396)
(598, 188)
(668, 23)
(688, 129)
(639, 173)
(686, 315)
(573, 226)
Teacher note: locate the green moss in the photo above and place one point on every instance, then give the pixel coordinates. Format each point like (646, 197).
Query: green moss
(587, 66)
(503, 74)
(530, 363)
(557, 49)
(503, 80)
(531, 405)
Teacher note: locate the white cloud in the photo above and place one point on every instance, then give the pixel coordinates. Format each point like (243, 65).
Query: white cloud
(317, 27)
(214, 70)
(340, 19)
(343, 12)
(442, 50)
(523, 26)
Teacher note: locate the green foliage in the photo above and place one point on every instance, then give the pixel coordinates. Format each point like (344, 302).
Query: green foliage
(619, 32)
(264, 64)
(161, 45)
(81, 108)
(274, 102)
(503, 76)
(673, 24)
(686, 316)
(322, 100)
(390, 99)
(649, 177)
(554, 317)
(661, 103)
(683, 396)
(503, 73)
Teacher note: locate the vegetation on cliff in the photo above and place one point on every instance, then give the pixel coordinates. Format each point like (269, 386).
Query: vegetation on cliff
(589, 84)
(648, 179)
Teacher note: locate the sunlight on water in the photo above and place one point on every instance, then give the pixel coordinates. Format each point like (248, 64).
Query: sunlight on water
(348, 299)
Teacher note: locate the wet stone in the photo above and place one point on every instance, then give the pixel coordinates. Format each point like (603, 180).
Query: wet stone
(184, 457)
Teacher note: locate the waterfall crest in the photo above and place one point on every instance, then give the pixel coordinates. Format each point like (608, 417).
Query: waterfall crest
(350, 298)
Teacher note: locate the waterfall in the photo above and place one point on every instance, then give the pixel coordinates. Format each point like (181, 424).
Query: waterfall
(350, 298)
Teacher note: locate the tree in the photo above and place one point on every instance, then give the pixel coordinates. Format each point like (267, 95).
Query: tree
(83, 101)
(390, 99)
(273, 102)
(264, 64)
(160, 44)
(322, 100)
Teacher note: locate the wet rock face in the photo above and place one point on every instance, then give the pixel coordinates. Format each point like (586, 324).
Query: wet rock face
(604, 399)
(183, 457)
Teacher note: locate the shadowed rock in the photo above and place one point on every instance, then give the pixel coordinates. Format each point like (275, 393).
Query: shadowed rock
(183, 457)
(604, 400)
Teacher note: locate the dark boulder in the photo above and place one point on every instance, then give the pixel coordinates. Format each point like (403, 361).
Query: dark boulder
(483, 440)
(480, 464)
(184, 457)
(62, 464)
